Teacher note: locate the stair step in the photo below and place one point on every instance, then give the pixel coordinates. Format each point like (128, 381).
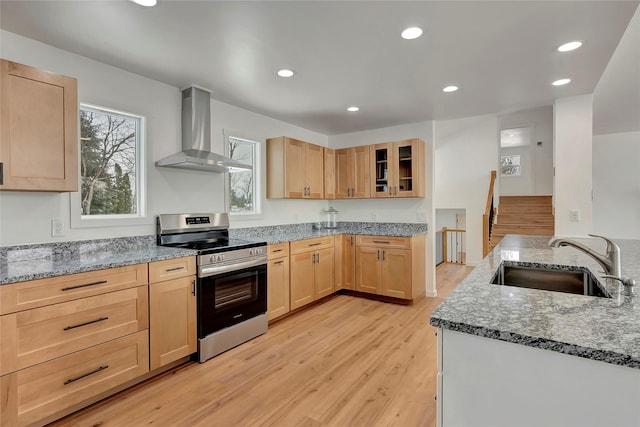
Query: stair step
(499, 230)
(524, 209)
(532, 219)
(526, 200)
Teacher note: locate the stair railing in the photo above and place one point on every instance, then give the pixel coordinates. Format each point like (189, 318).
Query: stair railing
(487, 218)
(450, 246)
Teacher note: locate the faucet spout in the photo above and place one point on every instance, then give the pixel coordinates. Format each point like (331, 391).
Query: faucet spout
(610, 261)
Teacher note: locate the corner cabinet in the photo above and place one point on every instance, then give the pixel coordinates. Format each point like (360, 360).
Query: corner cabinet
(172, 310)
(277, 280)
(38, 130)
(398, 169)
(390, 266)
(295, 169)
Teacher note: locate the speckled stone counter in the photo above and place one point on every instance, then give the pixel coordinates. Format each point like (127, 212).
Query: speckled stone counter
(29, 262)
(603, 329)
(290, 232)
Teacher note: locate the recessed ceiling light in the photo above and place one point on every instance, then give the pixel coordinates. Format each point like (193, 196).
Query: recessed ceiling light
(353, 109)
(450, 89)
(411, 33)
(286, 72)
(561, 82)
(567, 47)
(146, 3)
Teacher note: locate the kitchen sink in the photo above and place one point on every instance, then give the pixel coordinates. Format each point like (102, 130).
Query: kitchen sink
(578, 280)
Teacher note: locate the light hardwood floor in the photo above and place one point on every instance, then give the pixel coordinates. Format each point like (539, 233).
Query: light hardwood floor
(347, 362)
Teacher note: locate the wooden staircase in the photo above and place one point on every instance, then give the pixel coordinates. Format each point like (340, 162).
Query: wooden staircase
(532, 215)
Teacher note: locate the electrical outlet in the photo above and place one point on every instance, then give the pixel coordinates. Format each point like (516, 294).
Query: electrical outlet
(57, 228)
(374, 216)
(574, 215)
(422, 216)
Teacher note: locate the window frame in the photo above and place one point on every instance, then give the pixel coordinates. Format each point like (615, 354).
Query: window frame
(257, 176)
(78, 220)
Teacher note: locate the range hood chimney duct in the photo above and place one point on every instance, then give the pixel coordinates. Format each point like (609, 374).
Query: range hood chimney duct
(196, 151)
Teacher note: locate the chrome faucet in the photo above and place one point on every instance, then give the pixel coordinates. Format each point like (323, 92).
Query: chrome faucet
(610, 261)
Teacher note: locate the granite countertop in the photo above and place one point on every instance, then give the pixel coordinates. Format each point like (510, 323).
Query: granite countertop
(30, 262)
(603, 329)
(290, 232)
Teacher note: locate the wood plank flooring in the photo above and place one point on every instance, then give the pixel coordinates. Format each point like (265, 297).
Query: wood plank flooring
(347, 362)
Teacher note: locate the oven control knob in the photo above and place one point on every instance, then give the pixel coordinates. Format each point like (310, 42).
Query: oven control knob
(252, 252)
(220, 258)
(212, 258)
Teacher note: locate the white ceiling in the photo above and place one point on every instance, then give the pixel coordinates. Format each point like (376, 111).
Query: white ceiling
(501, 54)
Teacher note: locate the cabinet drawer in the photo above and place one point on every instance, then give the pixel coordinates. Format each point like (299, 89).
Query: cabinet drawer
(40, 334)
(34, 394)
(278, 250)
(385, 241)
(172, 269)
(38, 293)
(311, 244)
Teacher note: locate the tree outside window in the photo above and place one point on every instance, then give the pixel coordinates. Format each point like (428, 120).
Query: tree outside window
(109, 164)
(242, 192)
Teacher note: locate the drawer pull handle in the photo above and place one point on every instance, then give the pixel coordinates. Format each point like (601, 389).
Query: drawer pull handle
(381, 241)
(86, 323)
(101, 282)
(174, 269)
(71, 380)
(278, 262)
(315, 244)
(278, 250)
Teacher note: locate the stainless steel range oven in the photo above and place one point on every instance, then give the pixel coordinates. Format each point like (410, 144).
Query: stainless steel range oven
(231, 283)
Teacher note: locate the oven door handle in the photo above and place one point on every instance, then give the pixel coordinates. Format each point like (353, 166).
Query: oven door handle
(211, 270)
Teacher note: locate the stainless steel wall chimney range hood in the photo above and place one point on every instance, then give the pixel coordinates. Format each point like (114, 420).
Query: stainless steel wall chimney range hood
(196, 137)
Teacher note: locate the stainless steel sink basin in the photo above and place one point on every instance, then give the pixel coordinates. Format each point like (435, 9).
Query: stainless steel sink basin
(575, 281)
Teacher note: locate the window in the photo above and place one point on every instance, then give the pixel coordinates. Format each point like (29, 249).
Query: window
(243, 197)
(111, 166)
(510, 165)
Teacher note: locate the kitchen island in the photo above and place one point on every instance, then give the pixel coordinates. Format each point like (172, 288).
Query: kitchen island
(512, 356)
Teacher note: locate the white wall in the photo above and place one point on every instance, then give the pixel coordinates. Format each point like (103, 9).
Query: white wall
(26, 217)
(616, 185)
(447, 218)
(395, 210)
(540, 120)
(466, 150)
(573, 119)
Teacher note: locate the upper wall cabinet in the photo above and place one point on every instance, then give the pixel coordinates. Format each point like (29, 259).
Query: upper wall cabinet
(295, 169)
(38, 129)
(329, 173)
(352, 173)
(398, 169)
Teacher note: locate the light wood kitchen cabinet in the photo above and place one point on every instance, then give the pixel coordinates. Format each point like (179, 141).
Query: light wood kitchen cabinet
(391, 266)
(312, 270)
(329, 173)
(68, 340)
(345, 251)
(47, 391)
(172, 311)
(38, 130)
(398, 169)
(295, 169)
(352, 166)
(278, 303)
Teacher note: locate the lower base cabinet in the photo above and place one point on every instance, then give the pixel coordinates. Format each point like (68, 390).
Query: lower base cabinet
(172, 320)
(278, 300)
(312, 270)
(391, 266)
(38, 393)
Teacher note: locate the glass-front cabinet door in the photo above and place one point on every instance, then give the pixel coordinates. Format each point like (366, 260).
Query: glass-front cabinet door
(397, 169)
(381, 163)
